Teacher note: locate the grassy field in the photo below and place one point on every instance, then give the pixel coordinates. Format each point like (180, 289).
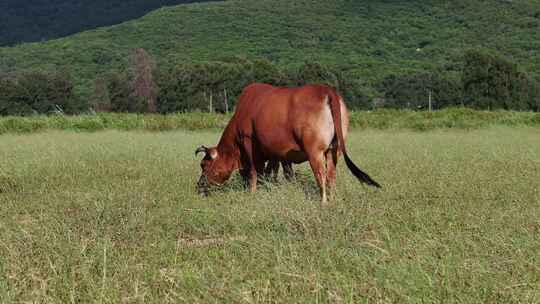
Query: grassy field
(113, 217)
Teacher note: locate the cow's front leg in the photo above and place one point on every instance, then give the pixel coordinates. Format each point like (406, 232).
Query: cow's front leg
(251, 164)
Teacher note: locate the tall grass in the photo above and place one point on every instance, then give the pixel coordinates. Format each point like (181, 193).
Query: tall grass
(113, 121)
(460, 118)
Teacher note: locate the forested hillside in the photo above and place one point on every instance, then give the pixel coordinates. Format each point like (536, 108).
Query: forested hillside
(38, 20)
(369, 47)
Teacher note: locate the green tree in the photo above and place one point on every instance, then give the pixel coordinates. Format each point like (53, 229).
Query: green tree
(37, 92)
(353, 91)
(120, 93)
(414, 90)
(265, 71)
(493, 82)
(315, 73)
(180, 88)
(10, 104)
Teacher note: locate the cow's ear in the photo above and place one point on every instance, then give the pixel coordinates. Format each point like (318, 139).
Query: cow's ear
(212, 153)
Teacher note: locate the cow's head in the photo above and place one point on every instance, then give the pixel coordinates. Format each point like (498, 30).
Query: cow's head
(216, 169)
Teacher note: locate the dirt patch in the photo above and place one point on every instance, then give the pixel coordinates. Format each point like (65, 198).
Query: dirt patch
(197, 243)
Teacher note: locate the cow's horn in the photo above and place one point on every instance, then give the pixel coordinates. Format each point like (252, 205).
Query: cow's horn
(200, 149)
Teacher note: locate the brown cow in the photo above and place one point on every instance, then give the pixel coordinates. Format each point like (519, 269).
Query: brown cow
(291, 125)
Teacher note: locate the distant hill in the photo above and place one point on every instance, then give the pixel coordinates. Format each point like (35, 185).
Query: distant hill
(38, 20)
(368, 39)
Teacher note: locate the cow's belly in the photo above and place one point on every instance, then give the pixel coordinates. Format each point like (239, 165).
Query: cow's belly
(294, 155)
(280, 145)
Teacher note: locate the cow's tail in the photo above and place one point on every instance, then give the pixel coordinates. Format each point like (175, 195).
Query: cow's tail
(335, 108)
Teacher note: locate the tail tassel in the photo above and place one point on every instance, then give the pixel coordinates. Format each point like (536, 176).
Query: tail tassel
(361, 175)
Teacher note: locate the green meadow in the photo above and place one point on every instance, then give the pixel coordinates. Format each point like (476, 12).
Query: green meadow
(114, 217)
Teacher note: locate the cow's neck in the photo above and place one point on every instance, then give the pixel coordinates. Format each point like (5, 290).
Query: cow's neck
(228, 147)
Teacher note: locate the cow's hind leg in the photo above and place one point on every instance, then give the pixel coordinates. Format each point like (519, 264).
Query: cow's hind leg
(271, 170)
(331, 162)
(316, 161)
(288, 171)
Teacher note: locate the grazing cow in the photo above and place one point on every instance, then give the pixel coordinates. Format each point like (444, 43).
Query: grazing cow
(290, 125)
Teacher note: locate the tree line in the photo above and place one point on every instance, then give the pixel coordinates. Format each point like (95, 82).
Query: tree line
(488, 81)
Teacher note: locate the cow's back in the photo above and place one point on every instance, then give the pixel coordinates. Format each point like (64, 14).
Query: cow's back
(246, 101)
(247, 106)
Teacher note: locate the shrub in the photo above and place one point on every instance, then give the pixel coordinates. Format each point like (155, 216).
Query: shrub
(493, 82)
